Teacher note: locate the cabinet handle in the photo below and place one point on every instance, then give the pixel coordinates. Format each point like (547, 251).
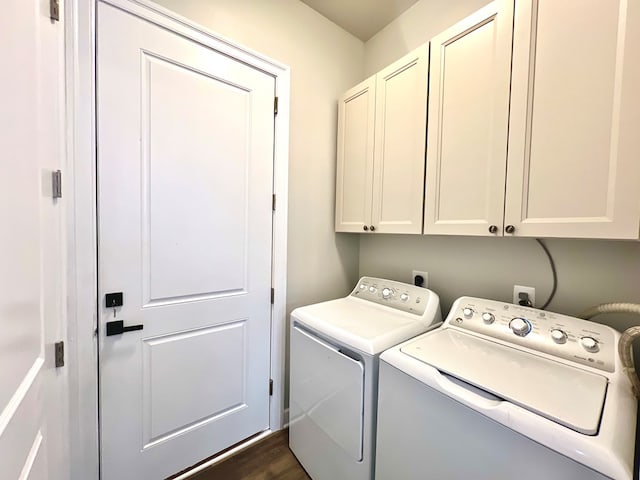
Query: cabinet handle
(365, 228)
(510, 229)
(493, 229)
(372, 228)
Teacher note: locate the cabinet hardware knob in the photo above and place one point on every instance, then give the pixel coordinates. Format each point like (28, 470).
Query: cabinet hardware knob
(493, 229)
(510, 229)
(365, 228)
(372, 228)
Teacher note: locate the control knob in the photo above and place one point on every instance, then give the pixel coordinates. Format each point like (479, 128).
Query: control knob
(404, 297)
(488, 318)
(590, 344)
(467, 312)
(520, 326)
(558, 336)
(372, 289)
(386, 292)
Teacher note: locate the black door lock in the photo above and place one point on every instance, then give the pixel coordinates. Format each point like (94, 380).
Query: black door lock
(112, 300)
(117, 327)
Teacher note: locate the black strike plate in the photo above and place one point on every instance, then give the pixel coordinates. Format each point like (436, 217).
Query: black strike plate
(112, 300)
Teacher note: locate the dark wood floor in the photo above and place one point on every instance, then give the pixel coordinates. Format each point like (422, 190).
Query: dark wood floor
(268, 459)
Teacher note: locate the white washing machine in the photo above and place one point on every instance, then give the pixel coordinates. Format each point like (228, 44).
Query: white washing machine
(506, 392)
(335, 348)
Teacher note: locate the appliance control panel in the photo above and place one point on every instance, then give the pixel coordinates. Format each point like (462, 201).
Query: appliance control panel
(570, 338)
(402, 296)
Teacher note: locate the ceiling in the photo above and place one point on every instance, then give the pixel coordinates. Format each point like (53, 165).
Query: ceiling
(362, 18)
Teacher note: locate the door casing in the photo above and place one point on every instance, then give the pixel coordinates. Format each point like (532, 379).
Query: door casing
(80, 180)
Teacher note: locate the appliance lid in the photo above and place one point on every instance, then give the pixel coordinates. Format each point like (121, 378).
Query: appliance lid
(564, 394)
(360, 324)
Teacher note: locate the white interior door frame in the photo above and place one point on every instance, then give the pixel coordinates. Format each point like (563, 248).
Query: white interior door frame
(81, 193)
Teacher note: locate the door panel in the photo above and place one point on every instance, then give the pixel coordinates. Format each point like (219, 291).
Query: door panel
(32, 391)
(401, 118)
(354, 176)
(196, 364)
(573, 169)
(23, 426)
(185, 175)
(467, 134)
(179, 235)
(552, 143)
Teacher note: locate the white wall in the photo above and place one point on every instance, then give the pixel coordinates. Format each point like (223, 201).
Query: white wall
(325, 61)
(589, 271)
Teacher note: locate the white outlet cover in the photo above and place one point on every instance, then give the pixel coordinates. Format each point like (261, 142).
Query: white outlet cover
(522, 288)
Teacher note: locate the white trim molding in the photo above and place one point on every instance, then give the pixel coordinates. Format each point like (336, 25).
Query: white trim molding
(82, 347)
(81, 173)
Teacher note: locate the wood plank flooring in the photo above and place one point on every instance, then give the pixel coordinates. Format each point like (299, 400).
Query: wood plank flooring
(268, 459)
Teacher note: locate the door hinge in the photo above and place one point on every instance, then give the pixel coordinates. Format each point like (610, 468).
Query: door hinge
(273, 295)
(59, 354)
(270, 387)
(273, 202)
(275, 105)
(54, 10)
(56, 184)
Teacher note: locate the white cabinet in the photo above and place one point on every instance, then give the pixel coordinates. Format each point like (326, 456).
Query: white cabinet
(574, 139)
(381, 149)
(572, 168)
(354, 179)
(468, 121)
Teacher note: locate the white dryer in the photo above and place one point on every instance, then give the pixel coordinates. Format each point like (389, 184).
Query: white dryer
(506, 392)
(335, 348)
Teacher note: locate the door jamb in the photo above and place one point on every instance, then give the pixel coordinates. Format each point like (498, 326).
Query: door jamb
(82, 302)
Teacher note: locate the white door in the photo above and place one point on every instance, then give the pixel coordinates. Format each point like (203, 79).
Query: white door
(573, 132)
(32, 391)
(468, 124)
(185, 174)
(400, 142)
(354, 177)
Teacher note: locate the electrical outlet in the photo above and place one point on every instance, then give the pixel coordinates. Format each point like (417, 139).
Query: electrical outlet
(531, 291)
(424, 275)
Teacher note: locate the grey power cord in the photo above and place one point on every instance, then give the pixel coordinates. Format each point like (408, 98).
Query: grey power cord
(553, 271)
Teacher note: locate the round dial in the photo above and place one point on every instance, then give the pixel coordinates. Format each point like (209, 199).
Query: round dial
(372, 289)
(467, 312)
(520, 326)
(558, 336)
(404, 297)
(488, 318)
(362, 286)
(590, 344)
(386, 292)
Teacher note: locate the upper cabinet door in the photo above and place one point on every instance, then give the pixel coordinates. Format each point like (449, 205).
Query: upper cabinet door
(401, 120)
(468, 124)
(574, 141)
(354, 175)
